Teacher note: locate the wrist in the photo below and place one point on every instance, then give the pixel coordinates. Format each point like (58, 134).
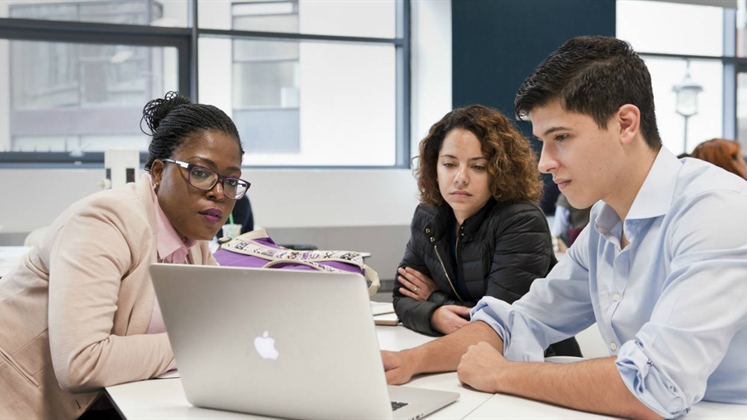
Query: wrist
(412, 361)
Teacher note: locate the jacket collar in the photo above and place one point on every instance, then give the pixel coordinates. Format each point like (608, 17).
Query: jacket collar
(441, 222)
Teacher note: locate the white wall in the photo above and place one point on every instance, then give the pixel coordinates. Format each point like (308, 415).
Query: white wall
(280, 198)
(284, 198)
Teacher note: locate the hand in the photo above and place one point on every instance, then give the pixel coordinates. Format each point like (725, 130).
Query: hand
(480, 367)
(397, 370)
(415, 284)
(449, 318)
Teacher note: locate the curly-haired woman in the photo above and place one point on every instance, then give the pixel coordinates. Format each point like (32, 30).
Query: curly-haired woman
(478, 231)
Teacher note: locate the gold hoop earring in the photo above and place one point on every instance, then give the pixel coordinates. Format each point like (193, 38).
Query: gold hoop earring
(155, 187)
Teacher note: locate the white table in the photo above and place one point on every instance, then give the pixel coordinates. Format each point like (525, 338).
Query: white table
(164, 398)
(10, 256)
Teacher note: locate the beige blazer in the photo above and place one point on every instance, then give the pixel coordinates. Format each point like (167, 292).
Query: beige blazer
(73, 314)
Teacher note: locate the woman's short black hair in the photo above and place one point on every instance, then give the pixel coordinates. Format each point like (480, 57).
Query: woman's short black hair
(174, 118)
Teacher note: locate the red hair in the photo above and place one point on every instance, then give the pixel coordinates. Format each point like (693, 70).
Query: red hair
(720, 152)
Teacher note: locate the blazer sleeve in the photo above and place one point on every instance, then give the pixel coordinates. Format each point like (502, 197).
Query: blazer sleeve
(91, 258)
(414, 314)
(523, 253)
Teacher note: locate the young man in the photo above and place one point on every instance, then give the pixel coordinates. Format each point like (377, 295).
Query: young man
(661, 268)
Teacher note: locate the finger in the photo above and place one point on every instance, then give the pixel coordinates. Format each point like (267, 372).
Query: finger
(406, 283)
(462, 310)
(415, 274)
(463, 380)
(457, 310)
(406, 273)
(410, 283)
(410, 286)
(392, 378)
(408, 293)
(412, 272)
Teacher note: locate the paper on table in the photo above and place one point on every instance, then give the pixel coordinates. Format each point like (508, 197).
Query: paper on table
(380, 308)
(384, 313)
(386, 319)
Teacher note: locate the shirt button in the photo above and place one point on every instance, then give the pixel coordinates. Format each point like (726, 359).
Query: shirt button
(616, 297)
(427, 230)
(433, 239)
(613, 346)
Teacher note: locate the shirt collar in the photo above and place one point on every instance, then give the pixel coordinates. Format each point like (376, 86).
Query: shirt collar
(654, 198)
(170, 246)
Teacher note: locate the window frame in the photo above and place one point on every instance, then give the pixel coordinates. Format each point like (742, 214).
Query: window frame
(732, 65)
(185, 41)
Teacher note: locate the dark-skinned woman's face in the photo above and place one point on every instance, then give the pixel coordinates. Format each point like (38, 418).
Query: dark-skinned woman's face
(194, 213)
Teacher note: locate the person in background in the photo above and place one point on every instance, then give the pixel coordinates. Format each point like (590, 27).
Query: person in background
(242, 215)
(79, 312)
(568, 222)
(663, 279)
(723, 153)
(478, 230)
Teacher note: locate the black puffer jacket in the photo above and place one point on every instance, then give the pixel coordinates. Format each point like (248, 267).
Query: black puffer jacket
(500, 251)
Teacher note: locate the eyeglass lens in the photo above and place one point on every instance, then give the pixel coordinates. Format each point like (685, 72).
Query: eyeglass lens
(206, 179)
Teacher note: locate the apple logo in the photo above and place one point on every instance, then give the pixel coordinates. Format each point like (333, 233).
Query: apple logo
(265, 346)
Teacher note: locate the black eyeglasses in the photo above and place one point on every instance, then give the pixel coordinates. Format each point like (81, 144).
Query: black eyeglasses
(205, 179)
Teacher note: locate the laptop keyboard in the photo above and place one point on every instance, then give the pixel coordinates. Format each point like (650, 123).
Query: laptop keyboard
(397, 404)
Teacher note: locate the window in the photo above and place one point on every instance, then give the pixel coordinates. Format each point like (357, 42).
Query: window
(78, 98)
(680, 40)
(308, 82)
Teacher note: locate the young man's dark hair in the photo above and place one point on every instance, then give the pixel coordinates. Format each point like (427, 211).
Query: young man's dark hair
(595, 76)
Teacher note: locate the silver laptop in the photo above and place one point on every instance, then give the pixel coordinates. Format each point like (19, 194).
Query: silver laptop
(282, 343)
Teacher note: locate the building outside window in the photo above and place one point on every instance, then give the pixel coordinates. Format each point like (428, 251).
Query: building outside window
(703, 40)
(308, 82)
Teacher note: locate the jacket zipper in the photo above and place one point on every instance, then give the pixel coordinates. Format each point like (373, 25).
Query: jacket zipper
(435, 248)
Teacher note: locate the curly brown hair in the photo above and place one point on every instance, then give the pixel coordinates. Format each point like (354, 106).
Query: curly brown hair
(512, 164)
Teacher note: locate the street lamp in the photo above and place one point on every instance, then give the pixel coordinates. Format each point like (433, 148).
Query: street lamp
(687, 99)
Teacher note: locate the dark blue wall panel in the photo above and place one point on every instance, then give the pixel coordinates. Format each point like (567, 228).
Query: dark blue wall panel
(497, 43)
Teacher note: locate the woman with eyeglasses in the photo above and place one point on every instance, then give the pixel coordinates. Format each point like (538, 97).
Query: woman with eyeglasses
(79, 313)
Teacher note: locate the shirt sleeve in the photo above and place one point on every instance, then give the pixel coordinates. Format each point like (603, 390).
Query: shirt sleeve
(556, 308)
(699, 311)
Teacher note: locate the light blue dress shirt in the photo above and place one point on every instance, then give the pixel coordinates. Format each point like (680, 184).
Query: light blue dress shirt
(671, 306)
